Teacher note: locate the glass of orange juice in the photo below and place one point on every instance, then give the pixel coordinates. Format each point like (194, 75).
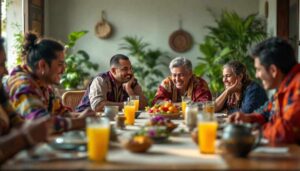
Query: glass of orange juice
(207, 133)
(129, 112)
(97, 132)
(136, 101)
(184, 101)
(209, 107)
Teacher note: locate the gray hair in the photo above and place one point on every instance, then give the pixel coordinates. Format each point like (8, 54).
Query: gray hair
(181, 61)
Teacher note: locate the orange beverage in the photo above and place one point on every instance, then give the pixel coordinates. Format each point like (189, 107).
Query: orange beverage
(98, 140)
(136, 104)
(183, 107)
(129, 112)
(207, 133)
(209, 107)
(184, 101)
(136, 101)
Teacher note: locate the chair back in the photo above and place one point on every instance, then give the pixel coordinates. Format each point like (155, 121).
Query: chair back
(72, 98)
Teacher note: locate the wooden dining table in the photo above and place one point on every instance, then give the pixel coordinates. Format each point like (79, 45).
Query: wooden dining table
(179, 152)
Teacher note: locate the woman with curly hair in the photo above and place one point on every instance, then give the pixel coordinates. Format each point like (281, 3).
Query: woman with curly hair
(241, 93)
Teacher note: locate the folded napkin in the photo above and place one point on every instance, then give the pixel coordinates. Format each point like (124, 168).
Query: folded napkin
(273, 150)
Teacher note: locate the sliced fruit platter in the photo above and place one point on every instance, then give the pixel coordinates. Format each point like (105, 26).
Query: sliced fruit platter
(166, 109)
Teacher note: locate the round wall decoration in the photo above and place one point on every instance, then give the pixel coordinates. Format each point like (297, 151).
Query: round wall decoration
(103, 29)
(180, 41)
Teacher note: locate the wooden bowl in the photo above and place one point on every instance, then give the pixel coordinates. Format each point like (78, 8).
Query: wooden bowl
(170, 116)
(138, 146)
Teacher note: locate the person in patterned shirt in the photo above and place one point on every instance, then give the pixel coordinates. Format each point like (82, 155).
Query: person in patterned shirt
(112, 87)
(29, 85)
(182, 82)
(14, 131)
(277, 67)
(8, 117)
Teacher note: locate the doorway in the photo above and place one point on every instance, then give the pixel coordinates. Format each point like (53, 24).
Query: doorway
(288, 22)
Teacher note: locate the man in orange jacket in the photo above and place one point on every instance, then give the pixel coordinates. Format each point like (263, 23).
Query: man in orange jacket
(277, 67)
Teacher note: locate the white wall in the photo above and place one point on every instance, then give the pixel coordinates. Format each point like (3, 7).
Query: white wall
(154, 20)
(272, 17)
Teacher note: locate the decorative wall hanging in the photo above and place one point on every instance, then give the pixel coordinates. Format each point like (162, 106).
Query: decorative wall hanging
(180, 40)
(103, 29)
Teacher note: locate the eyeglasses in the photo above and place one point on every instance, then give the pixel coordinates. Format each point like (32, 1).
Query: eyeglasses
(125, 69)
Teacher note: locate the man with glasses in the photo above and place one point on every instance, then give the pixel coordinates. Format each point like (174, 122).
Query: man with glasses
(182, 82)
(112, 87)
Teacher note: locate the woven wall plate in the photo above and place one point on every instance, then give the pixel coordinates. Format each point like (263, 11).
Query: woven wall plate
(103, 29)
(180, 41)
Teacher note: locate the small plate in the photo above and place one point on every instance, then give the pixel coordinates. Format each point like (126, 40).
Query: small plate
(221, 115)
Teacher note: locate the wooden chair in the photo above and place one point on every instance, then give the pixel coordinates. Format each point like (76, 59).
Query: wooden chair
(72, 98)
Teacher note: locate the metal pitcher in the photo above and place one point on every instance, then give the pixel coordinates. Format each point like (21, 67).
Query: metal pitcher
(238, 140)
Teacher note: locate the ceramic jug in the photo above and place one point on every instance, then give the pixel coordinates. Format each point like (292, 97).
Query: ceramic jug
(238, 140)
(111, 111)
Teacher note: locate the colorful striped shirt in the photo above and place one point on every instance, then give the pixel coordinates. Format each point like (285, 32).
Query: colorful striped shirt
(8, 117)
(281, 115)
(198, 91)
(32, 100)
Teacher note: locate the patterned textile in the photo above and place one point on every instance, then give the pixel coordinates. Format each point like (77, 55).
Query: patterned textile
(8, 117)
(253, 97)
(32, 100)
(197, 90)
(103, 87)
(281, 116)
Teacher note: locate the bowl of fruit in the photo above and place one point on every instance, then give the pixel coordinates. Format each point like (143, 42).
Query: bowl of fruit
(166, 109)
(138, 144)
(162, 121)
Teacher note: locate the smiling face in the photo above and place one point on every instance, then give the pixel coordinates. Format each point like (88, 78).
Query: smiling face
(123, 72)
(181, 76)
(266, 76)
(53, 73)
(229, 77)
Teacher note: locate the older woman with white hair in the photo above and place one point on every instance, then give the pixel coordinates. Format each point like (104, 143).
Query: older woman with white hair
(182, 82)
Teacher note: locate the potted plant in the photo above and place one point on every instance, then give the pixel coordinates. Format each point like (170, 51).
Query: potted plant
(229, 40)
(77, 63)
(150, 63)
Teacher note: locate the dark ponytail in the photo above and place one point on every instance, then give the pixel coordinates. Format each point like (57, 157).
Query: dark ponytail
(35, 49)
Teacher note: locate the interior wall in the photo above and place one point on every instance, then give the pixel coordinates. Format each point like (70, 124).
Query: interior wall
(152, 20)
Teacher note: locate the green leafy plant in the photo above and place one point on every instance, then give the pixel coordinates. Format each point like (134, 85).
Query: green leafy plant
(229, 40)
(150, 64)
(18, 43)
(210, 64)
(77, 63)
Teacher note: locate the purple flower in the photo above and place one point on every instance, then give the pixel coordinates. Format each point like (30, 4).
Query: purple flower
(152, 133)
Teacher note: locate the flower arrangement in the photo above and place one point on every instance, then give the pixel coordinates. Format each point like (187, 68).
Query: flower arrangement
(162, 121)
(157, 133)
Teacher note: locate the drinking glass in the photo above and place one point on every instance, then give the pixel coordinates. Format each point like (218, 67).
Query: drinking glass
(207, 133)
(191, 116)
(136, 101)
(209, 107)
(184, 101)
(97, 132)
(129, 112)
